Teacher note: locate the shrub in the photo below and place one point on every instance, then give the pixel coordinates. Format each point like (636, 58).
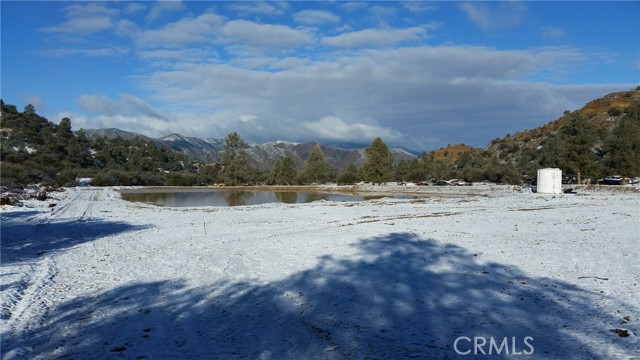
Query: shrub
(614, 111)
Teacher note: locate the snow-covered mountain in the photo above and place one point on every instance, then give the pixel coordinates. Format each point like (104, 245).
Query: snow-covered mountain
(262, 156)
(205, 150)
(113, 133)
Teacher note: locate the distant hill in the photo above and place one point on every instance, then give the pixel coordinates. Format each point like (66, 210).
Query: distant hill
(113, 133)
(203, 150)
(262, 156)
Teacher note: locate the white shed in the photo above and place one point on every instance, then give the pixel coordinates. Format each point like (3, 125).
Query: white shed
(549, 181)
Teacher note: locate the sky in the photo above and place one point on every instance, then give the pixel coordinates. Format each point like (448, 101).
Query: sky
(418, 74)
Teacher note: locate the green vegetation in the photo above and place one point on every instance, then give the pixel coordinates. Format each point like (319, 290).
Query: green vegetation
(235, 161)
(378, 164)
(284, 172)
(351, 175)
(317, 169)
(34, 150)
(623, 145)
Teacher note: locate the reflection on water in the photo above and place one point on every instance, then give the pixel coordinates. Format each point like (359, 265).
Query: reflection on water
(220, 197)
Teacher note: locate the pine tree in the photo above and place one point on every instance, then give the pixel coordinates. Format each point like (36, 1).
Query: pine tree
(577, 155)
(284, 171)
(623, 145)
(351, 175)
(317, 168)
(235, 160)
(377, 166)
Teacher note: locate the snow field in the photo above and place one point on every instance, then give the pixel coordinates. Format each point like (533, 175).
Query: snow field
(101, 278)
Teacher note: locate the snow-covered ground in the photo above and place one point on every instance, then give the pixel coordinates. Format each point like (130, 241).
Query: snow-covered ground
(99, 278)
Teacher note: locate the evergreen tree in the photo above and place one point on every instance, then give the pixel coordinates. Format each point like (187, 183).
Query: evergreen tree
(623, 145)
(235, 160)
(578, 138)
(284, 171)
(317, 168)
(377, 166)
(29, 110)
(351, 175)
(470, 166)
(402, 170)
(549, 154)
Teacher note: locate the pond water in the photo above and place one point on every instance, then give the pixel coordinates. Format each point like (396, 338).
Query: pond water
(227, 197)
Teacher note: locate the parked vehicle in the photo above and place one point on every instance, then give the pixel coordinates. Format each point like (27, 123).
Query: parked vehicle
(613, 180)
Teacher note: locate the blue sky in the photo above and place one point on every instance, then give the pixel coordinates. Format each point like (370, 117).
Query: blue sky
(419, 74)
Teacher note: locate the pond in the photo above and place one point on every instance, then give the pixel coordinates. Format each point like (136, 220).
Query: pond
(231, 197)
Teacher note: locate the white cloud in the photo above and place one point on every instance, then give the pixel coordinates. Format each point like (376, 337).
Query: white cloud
(335, 129)
(383, 11)
(127, 112)
(172, 55)
(261, 7)
(126, 28)
(374, 37)
(212, 28)
(82, 26)
(553, 32)
(419, 6)
(352, 6)
(495, 16)
(182, 32)
(84, 19)
(125, 105)
(315, 17)
(478, 13)
(265, 35)
(97, 52)
(248, 118)
(89, 9)
(162, 8)
(132, 8)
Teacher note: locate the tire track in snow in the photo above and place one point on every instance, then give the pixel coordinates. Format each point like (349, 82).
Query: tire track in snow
(31, 307)
(28, 305)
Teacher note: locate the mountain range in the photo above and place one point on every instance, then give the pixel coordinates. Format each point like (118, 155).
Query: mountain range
(262, 156)
(604, 113)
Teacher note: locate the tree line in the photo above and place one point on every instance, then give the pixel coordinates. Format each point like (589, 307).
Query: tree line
(35, 150)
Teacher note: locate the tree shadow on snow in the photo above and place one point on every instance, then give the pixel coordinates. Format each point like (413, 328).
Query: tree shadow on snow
(403, 298)
(24, 239)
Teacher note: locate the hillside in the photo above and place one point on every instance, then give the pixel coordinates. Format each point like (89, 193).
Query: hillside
(600, 139)
(601, 116)
(452, 153)
(603, 113)
(113, 134)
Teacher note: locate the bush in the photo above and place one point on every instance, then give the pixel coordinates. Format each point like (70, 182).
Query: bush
(614, 111)
(182, 179)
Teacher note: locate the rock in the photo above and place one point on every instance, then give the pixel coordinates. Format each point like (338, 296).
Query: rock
(622, 332)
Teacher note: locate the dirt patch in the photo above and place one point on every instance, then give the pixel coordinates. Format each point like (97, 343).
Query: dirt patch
(534, 209)
(372, 219)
